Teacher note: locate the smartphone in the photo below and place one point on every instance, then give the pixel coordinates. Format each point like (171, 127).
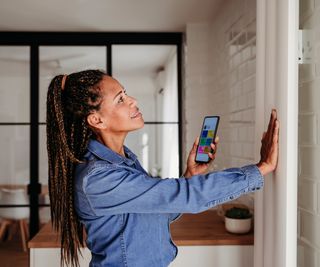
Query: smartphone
(207, 136)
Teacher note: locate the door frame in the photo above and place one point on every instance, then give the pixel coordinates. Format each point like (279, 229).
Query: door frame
(277, 87)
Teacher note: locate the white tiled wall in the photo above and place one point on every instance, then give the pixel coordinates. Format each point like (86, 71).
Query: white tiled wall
(309, 143)
(220, 80)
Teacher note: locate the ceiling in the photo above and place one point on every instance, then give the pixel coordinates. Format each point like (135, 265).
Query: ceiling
(99, 15)
(104, 15)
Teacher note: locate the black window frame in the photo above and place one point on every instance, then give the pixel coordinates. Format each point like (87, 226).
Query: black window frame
(36, 39)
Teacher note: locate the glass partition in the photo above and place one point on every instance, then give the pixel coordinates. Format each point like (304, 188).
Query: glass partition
(149, 74)
(55, 60)
(14, 140)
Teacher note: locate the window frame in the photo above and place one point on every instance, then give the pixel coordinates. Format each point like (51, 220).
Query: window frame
(36, 39)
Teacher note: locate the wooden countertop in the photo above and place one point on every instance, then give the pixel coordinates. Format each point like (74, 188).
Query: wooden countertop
(202, 229)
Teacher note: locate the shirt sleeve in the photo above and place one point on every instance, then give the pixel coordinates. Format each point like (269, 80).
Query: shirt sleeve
(112, 190)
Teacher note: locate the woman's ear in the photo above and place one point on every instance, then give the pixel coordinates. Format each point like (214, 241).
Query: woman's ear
(95, 121)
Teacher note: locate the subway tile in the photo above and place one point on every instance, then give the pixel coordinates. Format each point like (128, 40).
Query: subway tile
(246, 150)
(317, 69)
(306, 72)
(232, 49)
(246, 53)
(233, 77)
(249, 84)
(243, 71)
(307, 194)
(238, 88)
(234, 134)
(307, 129)
(305, 8)
(237, 149)
(251, 99)
(253, 50)
(237, 58)
(249, 115)
(243, 132)
(251, 135)
(298, 225)
(317, 52)
(309, 228)
(242, 102)
(309, 161)
(318, 199)
(309, 95)
(307, 256)
(251, 67)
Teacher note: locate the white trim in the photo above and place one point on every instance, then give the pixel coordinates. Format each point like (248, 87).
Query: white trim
(277, 86)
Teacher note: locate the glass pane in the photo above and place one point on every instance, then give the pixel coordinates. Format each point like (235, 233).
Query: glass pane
(44, 214)
(149, 73)
(56, 60)
(43, 158)
(43, 170)
(15, 84)
(157, 148)
(14, 175)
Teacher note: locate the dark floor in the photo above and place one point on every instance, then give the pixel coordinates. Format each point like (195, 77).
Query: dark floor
(11, 253)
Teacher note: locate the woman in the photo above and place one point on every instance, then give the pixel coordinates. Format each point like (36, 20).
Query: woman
(95, 181)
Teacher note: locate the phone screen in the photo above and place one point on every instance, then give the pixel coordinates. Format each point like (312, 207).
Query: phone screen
(207, 136)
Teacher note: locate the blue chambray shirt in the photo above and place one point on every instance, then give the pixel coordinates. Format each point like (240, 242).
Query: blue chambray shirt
(127, 213)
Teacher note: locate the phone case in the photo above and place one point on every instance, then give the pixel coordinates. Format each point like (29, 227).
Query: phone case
(201, 136)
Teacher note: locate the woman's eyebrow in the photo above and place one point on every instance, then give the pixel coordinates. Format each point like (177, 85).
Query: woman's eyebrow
(118, 94)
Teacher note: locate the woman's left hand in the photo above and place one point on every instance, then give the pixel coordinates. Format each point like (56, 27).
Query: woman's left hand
(194, 168)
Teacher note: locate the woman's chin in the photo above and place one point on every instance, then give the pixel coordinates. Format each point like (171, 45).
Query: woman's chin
(138, 124)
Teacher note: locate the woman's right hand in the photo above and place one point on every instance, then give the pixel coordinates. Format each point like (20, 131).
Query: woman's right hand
(269, 146)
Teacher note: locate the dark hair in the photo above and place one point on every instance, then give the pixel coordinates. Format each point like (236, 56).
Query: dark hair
(67, 138)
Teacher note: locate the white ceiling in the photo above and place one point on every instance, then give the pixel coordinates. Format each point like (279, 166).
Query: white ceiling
(100, 15)
(104, 15)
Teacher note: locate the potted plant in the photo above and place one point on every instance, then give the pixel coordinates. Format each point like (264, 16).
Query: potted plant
(238, 220)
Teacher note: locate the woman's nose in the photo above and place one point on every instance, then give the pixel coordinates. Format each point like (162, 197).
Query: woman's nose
(133, 101)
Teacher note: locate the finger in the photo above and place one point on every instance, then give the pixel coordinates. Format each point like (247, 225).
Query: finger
(269, 134)
(276, 132)
(195, 145)
(271, 121)
(264, 135)
(197, 140)
(216, 140)
(214, 148)
(211, 156)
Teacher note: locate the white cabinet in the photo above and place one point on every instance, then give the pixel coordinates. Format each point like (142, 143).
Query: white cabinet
(188, 256)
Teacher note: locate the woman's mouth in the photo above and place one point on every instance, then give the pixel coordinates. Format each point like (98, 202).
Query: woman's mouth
(137, 114)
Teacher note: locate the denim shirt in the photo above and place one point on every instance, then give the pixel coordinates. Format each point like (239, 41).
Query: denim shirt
(127, 213)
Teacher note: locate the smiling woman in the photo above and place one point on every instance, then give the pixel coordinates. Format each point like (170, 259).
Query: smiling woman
(98, 182)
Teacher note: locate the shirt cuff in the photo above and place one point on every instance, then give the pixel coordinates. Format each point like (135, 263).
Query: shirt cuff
(256, 180)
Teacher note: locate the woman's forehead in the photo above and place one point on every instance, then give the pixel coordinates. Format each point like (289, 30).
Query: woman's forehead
(110, 86)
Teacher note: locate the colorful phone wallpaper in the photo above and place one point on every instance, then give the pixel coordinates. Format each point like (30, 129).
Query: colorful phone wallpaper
(206, 138)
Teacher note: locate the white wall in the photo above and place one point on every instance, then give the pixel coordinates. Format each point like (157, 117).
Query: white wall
(309, 143)
(200, 256)
(220, 80)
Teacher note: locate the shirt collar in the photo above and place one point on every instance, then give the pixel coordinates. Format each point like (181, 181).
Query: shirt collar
(103, 152)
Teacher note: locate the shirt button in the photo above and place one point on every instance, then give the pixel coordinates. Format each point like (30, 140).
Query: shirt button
(231, 197)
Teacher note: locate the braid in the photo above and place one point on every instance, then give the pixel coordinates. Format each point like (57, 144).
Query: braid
(68, 136)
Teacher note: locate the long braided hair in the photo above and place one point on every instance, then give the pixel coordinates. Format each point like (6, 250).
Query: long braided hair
(67, 138)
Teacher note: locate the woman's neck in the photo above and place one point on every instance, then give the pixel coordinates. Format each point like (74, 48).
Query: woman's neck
(113, 141)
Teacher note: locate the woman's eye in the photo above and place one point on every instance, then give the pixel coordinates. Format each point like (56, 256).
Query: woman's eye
(120, 99)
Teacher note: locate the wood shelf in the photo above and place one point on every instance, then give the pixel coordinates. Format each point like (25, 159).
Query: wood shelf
(202, 229)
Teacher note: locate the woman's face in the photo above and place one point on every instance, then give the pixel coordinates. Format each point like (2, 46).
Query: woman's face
(119, 112)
